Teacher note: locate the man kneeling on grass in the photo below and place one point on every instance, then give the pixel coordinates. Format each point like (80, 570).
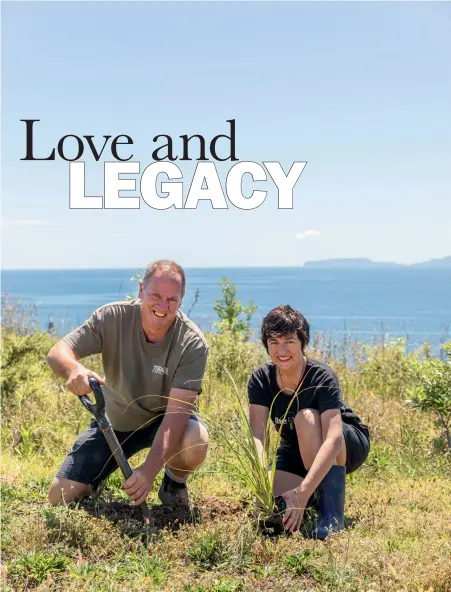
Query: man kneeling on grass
(154, 360)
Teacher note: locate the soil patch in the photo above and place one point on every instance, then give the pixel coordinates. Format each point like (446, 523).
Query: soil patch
(128, 516)
(214, 507)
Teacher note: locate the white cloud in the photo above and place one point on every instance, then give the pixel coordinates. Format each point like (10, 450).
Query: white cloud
(9, 222)
(307, 233)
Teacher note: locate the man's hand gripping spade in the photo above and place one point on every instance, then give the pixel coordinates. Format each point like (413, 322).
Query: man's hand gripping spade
(98, 411)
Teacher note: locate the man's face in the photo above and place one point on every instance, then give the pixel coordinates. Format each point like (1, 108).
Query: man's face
(285, 351)
(161, 298)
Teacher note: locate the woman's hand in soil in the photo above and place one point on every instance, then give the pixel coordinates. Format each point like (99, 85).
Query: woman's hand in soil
(138, 485)
(296, 503)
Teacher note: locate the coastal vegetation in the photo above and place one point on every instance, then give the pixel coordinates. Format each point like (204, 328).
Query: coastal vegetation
(398, 514)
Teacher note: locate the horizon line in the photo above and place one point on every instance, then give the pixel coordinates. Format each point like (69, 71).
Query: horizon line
(300, 266)
(138, 268)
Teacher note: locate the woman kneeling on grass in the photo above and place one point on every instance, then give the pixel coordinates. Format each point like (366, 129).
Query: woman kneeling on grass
(321, 438)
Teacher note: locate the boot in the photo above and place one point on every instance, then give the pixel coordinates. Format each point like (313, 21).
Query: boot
(331, 499)
(172, 493)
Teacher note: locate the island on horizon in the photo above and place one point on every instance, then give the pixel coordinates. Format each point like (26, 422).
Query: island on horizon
(364, 263)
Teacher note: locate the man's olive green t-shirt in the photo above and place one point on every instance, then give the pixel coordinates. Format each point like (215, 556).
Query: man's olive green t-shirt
(140, 375)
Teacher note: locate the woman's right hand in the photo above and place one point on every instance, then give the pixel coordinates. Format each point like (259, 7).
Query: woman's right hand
(78, 383)
(294, 513)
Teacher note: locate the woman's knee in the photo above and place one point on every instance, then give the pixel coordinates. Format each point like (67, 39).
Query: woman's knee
(65, 491)
(310, 417)
(308, 424)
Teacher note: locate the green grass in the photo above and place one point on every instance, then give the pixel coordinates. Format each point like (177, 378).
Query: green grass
(35, 568)
(398, 535)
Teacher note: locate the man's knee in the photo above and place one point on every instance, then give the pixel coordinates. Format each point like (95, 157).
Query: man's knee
(193, 447)
(64, 491)
(195, 442)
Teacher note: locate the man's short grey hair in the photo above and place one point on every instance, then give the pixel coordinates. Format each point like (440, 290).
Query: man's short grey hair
(165, 268)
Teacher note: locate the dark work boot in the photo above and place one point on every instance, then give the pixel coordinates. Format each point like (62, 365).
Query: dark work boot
(331, 499)
(173, 493)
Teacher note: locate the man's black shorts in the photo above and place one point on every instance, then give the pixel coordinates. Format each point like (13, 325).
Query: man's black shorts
(91, 461)
(357, 448)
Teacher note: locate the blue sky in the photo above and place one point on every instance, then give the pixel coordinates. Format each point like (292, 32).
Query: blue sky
(361, 91)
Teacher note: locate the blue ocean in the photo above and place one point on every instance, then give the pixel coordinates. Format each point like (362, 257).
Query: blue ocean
(352, 304)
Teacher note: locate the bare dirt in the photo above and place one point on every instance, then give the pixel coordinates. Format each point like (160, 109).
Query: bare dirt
(208, 509)
(129, 519)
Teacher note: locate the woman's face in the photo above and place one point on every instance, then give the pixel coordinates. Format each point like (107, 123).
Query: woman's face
(285, 351)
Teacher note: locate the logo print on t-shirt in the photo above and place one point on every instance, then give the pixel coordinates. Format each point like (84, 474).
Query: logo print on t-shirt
(284, 421)
(159, 370)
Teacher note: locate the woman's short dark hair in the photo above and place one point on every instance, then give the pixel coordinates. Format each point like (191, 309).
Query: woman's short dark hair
(285, 320)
